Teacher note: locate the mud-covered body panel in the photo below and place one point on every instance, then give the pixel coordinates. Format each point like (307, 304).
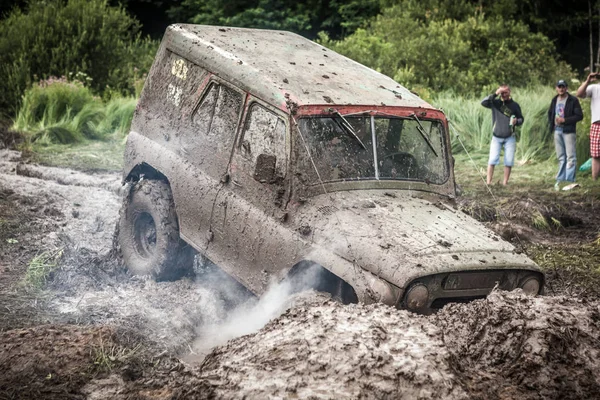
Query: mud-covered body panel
(400, 236)
(272, 64)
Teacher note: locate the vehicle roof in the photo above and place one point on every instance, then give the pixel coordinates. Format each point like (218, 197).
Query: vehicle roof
(275, 65)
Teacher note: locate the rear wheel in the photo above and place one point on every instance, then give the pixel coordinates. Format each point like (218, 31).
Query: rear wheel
(149, 233)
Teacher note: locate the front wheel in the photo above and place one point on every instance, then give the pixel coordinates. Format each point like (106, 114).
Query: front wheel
(149, 233)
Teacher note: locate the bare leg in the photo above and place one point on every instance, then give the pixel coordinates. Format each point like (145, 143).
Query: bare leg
(595, 167)
(490, 174)
(506, 175)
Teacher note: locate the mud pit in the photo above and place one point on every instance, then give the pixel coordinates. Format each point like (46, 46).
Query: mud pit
(95, 332)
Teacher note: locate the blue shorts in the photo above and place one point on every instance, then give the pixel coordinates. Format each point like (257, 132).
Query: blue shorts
(510, 145)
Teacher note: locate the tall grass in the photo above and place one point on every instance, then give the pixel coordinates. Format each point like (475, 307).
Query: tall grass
(473, 123)
(57, 111)
(118, 114)
(41, 267)
(583, 133)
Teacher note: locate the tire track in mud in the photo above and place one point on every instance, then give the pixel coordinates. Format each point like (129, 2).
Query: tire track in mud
(505, 346)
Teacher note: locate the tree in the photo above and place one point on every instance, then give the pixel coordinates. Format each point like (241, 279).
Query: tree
(337, 17)
(445, 45)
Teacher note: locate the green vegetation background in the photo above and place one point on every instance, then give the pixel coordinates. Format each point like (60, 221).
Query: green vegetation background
(71, 70)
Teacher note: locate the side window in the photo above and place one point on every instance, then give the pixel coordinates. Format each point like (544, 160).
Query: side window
(217, 115)
(264, 134)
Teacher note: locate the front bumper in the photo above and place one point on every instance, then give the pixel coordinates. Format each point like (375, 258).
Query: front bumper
(462, 286)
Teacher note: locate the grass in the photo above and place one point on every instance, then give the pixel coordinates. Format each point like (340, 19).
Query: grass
(107, 357)
(41, 267)
(63, 124)
(90, 155)
(573, 269)
(537, 175)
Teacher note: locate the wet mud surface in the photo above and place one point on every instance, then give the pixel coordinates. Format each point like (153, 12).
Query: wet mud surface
(95, 332)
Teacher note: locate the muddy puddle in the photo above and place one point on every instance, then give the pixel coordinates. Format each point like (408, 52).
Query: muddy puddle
(124, 337)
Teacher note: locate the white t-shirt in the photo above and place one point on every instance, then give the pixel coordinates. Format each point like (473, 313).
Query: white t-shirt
(559, 111)
(593, 92)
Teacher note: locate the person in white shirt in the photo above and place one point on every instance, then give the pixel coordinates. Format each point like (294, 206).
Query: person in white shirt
(593, 92)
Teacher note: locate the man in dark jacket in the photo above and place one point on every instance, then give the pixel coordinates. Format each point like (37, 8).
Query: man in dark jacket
(506, 116)
(564, 112)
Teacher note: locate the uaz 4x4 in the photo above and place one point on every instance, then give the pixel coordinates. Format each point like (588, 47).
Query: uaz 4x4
(270, 154)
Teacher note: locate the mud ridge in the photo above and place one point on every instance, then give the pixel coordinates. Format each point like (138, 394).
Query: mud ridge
(107, 181)
(514, 346)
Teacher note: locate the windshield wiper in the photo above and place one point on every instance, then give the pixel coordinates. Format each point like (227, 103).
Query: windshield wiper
(346, 127)
(422, 132)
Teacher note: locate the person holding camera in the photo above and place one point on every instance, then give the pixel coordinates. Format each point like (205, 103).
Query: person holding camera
(564, 112)
(506, 116)
(593, 92)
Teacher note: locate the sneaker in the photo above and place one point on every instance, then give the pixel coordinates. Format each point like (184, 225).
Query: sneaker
(571, 186)
(557, 186)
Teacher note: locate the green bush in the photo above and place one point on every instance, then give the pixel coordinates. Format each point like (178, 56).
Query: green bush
(62, 111)
(51, 100)
(452, 46)
(58, 37)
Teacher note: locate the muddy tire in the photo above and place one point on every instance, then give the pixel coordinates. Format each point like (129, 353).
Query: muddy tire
(149, 233)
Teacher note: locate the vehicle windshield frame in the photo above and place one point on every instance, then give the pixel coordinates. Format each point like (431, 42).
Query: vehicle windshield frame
(373, 144)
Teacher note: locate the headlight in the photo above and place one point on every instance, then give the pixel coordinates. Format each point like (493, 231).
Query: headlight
(417, 298)
(531, 286)
(383, 291)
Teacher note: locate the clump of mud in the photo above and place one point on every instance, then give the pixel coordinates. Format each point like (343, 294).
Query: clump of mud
(321, 349)
(506, 346)
(51, 361)
(514, 346)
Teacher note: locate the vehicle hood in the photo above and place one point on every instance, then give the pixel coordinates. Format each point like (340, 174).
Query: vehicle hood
(399, 236)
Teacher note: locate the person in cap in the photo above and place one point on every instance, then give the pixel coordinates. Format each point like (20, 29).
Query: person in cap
(593, 92)
(506, 116)
(563, 114)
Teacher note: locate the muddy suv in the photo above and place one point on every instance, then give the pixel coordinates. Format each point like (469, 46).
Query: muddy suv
(271, 155)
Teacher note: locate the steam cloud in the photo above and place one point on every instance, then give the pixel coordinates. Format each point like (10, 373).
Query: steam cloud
(250, 314)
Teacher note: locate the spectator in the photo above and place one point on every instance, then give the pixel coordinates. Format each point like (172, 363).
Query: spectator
(506, 115)
(593, 92)
(564, 112)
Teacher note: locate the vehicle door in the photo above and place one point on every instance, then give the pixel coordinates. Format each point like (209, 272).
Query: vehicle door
(248, 216)
(206, 144)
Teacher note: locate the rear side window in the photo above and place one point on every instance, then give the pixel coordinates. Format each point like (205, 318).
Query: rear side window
(216, 117)
(170, 90)
(264, 133)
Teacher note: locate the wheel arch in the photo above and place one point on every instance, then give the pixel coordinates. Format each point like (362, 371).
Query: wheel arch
(307, 274)
(144, 170)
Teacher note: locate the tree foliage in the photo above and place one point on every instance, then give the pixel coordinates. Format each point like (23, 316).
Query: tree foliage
(337, 17)
(58, 37)
(445, 45)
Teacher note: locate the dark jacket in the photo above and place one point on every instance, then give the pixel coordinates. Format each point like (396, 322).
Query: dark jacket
(501, 112)
(573, 113)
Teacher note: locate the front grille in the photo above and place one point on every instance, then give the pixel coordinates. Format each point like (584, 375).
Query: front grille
(475, 280)
(438, 304)
(465, 286)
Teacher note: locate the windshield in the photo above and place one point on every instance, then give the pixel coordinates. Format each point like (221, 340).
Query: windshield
(394, 148)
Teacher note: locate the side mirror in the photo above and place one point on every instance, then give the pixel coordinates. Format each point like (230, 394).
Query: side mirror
(264, 171)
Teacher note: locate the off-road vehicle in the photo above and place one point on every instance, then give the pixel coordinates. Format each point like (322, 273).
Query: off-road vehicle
(270, 154)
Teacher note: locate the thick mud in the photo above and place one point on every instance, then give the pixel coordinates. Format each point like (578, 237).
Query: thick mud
(96, 332)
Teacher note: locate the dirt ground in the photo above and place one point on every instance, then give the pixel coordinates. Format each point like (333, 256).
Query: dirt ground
(89, 330)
